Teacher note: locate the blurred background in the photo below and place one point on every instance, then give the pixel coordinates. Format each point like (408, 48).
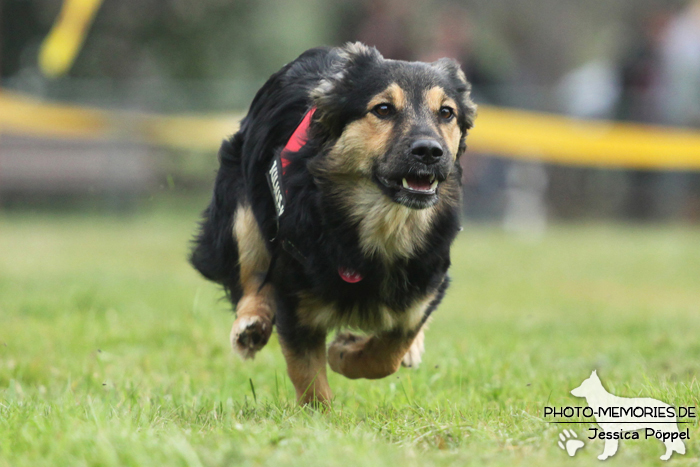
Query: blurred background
(588, 110)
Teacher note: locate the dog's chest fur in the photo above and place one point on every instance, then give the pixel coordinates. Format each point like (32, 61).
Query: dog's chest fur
(316, 313)
(387, 230)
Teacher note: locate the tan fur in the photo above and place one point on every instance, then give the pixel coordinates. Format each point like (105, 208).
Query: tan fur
(364, 140)
(253, 256)
(256, 308)
(308, 374)
(414, 355)
(436, 98)
(452, 135)
(370, 357)
(393, 95)
(387, 229)
(315, 313)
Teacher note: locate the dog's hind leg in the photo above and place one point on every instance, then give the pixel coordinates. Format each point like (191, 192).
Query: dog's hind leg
(370, 357)
(414, 356)
(610, 449)
(673, 445)
(255, 310)
(382, 354)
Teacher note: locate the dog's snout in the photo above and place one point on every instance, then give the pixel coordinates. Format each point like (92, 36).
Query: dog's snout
(427, 151)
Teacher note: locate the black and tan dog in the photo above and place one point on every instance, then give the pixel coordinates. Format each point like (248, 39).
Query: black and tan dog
(334, 208)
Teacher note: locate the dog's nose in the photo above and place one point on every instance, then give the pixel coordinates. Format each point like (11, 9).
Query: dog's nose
(427, 151)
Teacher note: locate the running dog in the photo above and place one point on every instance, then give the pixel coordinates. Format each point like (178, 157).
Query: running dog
(334, 207)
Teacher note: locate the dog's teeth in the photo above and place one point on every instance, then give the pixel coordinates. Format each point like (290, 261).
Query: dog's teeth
(433, 186)
(432, 179)
(405, 183)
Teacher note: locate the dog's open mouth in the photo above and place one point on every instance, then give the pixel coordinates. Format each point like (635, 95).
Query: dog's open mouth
(415, 184)
(414, 191)
(423, 185)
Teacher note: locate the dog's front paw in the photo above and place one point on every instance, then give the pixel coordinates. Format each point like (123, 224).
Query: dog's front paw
(250, 334)
(343, 352)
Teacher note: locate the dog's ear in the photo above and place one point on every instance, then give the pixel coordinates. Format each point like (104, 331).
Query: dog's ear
(333, 94)
(453, 72)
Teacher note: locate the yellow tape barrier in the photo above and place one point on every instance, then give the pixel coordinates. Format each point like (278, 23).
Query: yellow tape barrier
(503, 132)
(551, 138)
(61, 46)
(27, 116)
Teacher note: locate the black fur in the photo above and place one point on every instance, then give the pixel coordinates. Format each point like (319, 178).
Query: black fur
(340, 83)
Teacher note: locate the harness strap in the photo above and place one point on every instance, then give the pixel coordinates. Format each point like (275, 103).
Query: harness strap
(275, 178)
(277, 172)
(278, 167)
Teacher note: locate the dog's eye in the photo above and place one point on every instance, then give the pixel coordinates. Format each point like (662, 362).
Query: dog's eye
(383, 110)
(446, 113)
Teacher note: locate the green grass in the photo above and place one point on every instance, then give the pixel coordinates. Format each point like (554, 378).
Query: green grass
(113, 351)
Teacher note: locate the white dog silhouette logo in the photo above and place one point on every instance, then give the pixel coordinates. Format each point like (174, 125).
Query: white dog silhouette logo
(616, 415)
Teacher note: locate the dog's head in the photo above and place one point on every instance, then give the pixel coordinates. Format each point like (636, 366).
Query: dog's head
(400, 125)
(588, 387)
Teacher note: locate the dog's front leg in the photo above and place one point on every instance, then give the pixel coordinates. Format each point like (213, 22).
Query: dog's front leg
(371, 357)
(255, 311)
(305, 353)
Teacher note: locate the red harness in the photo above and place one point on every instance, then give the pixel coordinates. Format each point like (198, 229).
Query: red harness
(297, 140)
(295, 143)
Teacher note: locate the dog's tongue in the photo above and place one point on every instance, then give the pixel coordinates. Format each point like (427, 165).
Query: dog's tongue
(418, 183)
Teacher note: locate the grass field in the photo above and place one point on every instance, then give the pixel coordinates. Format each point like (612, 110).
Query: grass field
(114, 352)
